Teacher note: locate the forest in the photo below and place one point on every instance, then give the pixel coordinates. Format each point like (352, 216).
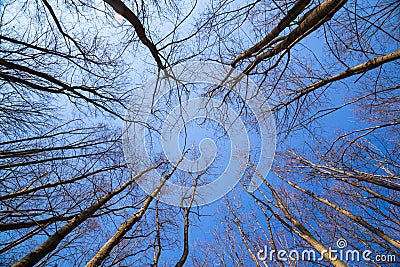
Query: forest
(200, 133)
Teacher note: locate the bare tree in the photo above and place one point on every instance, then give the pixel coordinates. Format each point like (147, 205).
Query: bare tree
(329, 70)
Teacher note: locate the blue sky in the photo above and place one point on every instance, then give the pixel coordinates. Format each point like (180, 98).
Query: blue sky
(213, 215)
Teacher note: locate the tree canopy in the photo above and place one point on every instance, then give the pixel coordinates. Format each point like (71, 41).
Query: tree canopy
(329, 71)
